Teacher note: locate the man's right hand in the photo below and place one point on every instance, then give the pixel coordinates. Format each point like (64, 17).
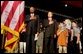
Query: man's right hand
(36, 37)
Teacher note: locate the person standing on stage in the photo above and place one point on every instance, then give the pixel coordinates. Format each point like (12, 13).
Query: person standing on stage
(75, 37)
(22, 43)
(62, 34)
(32, 26)
(67, 23)
(50, 30)
(39, 42)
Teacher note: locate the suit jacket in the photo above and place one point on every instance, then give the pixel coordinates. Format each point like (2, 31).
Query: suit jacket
(32, 25)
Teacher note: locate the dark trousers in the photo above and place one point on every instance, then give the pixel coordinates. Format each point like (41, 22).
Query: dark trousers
(55, 45)
(48, 45)
(70, 45)
(75, 47)
(30, 44)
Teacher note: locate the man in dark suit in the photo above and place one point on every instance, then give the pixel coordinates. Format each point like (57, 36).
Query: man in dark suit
(32, 21)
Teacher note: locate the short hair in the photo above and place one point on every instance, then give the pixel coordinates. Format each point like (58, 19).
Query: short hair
(32, 7)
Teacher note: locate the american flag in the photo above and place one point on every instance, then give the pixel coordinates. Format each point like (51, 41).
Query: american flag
(12, 20)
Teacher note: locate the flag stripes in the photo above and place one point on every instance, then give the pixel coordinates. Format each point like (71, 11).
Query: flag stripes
(12, 19)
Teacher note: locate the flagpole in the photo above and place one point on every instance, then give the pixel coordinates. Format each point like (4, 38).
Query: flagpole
(3, 39)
